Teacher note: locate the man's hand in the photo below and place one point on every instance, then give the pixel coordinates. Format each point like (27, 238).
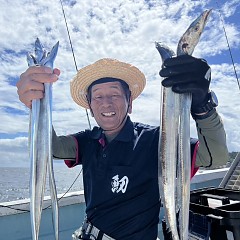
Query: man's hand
(186, 74)
(30, 86)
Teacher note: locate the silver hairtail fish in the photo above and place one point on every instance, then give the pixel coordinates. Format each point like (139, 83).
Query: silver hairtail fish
(174, 145)
(186, 45)
(40, 143)
(167, 148)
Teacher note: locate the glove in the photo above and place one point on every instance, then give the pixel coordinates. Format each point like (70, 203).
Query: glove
(186, 74)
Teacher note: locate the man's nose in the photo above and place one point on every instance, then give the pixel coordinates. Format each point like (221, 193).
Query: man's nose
(107, 100)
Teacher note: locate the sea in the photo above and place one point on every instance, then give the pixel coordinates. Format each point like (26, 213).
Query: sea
(14, 181)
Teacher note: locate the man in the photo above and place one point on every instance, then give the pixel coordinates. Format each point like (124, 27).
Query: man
(120, 158)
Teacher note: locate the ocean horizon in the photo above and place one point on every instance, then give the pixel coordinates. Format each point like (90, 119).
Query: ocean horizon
(14, 181)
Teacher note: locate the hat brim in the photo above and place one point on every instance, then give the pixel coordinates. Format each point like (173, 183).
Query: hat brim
(106, 68)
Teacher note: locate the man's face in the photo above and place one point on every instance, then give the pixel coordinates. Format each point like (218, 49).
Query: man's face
(109, 105)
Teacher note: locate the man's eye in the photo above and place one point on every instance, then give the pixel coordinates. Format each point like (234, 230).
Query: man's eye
(98, 97)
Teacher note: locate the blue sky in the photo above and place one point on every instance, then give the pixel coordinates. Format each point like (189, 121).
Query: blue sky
(120, 29)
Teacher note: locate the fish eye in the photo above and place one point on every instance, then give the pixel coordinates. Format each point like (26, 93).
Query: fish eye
(196, 27)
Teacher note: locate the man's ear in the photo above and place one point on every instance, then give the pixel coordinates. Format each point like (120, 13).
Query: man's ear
(130, 105)
(89, 104)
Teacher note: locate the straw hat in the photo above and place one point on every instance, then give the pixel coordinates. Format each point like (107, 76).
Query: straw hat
(106, 67)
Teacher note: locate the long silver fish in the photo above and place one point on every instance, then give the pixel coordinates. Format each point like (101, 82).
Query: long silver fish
(186, 45)
(40, 143)
(167, 150)
(176, 132)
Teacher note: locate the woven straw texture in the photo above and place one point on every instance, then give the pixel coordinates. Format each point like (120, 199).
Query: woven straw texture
(106, 68)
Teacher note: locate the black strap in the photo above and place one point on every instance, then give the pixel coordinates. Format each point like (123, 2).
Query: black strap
(100, 235)
(166, 232)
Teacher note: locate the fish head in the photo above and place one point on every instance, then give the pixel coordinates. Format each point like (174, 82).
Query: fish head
(190, 38)
(50, 56)
(164, 51)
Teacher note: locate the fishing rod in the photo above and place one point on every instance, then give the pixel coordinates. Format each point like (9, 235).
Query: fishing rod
(234, 68)
(74, 59)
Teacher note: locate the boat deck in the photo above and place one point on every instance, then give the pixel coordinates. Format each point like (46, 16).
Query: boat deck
(15, 224)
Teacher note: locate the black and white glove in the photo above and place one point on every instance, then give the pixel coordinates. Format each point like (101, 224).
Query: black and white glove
(187, 74)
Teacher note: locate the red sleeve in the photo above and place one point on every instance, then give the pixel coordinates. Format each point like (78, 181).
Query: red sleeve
(194, 169)
(71, 163)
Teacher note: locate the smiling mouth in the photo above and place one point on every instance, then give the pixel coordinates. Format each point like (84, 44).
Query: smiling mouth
(108, 114)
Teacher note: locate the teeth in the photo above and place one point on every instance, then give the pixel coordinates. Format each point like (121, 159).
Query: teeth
(108, 114)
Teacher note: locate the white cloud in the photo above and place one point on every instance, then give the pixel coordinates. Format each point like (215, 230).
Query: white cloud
(125, 30)
(14, 152)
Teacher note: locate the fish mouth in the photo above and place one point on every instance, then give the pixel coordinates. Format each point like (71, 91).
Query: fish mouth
(108, 114)
(184, 47)
(206, 14)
